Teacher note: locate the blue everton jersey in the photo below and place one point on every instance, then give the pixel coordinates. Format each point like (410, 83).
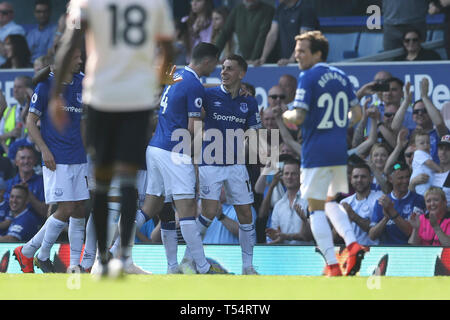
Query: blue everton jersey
(67, 146)
(392, 235)
(179, 102)
(224, 113)
(327, 95)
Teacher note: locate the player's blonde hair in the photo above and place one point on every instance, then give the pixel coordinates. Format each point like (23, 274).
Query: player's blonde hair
(317, 41)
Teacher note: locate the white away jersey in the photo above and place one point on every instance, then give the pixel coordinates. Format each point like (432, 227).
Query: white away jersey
(121, 49)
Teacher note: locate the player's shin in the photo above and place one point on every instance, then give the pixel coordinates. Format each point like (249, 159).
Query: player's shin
(322, 234)
(76, 239)
(128, 214)
(30, 248)
(247, 240)
(194, 242)
(90, 246)
(339, 218)
(52, 232)
(170, 242)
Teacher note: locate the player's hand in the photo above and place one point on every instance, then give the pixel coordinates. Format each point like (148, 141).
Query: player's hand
(49, 160)
(167, 76)
(57, 113)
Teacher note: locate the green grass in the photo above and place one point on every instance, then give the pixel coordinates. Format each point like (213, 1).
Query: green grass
(220, 287)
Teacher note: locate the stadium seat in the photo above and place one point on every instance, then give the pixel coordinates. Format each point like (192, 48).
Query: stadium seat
(438, 34)
(342, 45)
(429, 35)
(370, 43)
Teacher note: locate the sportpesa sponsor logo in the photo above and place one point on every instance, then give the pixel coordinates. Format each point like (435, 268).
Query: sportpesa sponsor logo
(217, 116)
(73, 109)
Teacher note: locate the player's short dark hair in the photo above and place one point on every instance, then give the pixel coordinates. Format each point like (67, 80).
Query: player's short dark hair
(21, 187)
(240, 61)
(395, 79)
(204, 50)
(317, 41)
(43, 2)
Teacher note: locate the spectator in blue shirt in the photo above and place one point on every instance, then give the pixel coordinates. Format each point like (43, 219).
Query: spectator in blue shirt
(40, 38)
(5, 215)
(25, 162)
(391, 213)
(25, 223)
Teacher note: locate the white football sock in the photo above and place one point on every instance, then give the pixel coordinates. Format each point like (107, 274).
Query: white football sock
(193, 240)
(52, 232)
(30, 248)
(76, 239)
(322, 234)
(247, 240)
(202, 224)
(339, 218)
(90, 246)
(170, 241)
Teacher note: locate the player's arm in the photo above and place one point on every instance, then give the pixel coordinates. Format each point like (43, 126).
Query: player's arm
(71, 39)
(35, 134)
(284, 131)
(355, 115)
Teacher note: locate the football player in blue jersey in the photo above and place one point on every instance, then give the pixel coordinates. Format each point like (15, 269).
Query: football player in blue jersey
(228, 112)
(64, 170)
(323, 100)
(171, 172)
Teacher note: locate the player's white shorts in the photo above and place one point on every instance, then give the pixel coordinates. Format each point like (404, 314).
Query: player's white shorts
(234, 178)
(69, 182)
(318, 183)
(170, 174)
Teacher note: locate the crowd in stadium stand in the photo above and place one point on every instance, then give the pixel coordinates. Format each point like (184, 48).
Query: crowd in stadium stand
(399, 152)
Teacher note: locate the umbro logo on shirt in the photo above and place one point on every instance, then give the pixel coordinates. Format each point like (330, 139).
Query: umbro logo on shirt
(217, 103)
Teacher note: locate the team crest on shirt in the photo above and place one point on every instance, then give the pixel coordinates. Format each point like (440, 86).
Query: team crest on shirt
(205, 189)
(198, 102)
(34, 98)
(79, 97)
(407, 209)
(58, 192)
(243, 107)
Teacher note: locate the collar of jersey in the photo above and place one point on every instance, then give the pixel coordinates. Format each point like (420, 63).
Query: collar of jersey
(192, 71)
(393, 197)
(24, 211)
(225, 90)
(320, 64)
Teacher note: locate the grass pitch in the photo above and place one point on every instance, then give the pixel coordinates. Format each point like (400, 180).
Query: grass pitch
(219, 287)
